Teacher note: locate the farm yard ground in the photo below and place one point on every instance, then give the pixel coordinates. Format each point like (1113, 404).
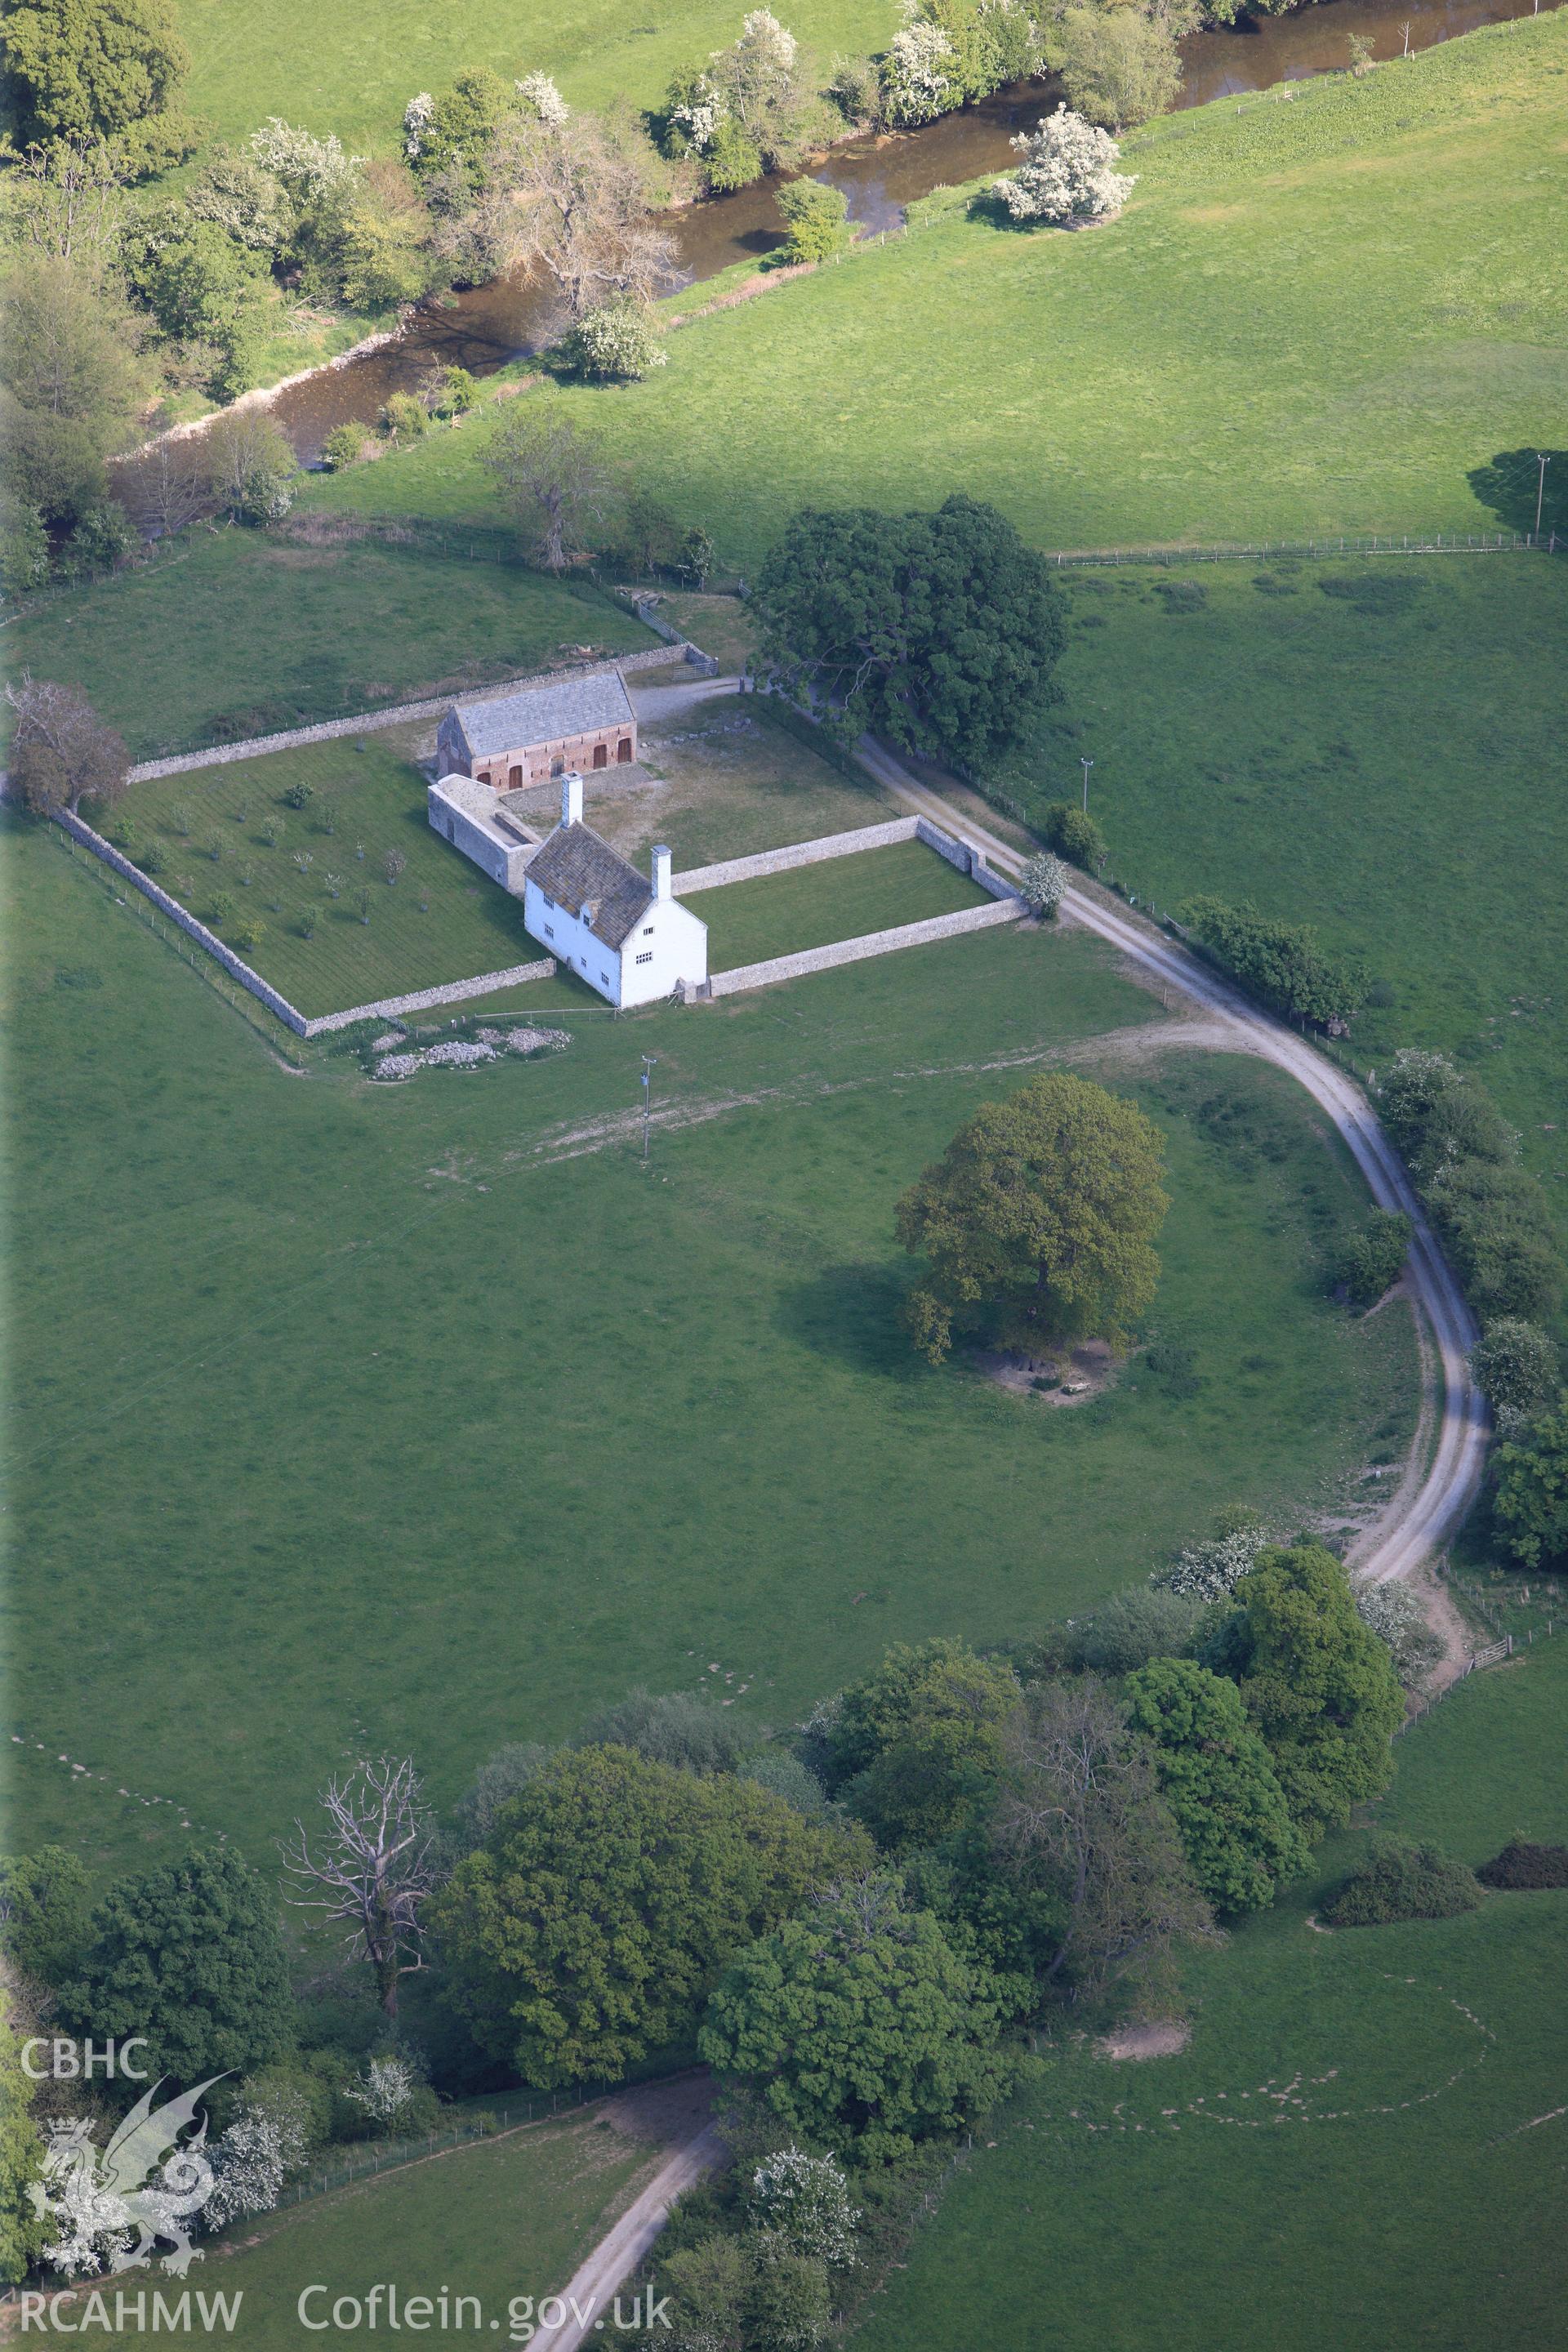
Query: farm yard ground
(349, 1372)
(442, 919)
(1371, 747)
(1362, 2143)
(1204, 367)
(241, 632)
(842, 898)
(726, 779)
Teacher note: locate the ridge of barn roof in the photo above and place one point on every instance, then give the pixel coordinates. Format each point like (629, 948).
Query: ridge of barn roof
(579, 871)
(545, 714)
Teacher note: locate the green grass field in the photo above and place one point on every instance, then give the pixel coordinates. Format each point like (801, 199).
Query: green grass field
(355, 75)
(1314, 316)
(441, 921)
(501, 2221)
(1363, 2144)
(779, 914)
(319, 1443)
(236, 634)
(1383, 764)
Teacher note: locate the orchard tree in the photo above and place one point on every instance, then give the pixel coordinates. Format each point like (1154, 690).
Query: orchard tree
(859, 2026)
(590, 1927)
(61, 752)
(86, 69)
(1316, 1681)
(372, 1869)
(1531, 1508)
(1066, 173)
(189, 1956)
(937, 631)
(1038, 1222)
(1082, 1825)
(1217, 1778)
(553, 478)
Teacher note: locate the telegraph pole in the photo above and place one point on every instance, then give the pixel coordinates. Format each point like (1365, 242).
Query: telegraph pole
(649, 1064)
(1086, 765)
(1540, 489)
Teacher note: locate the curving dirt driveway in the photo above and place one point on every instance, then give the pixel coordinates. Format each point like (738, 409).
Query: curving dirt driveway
(1423, 1512)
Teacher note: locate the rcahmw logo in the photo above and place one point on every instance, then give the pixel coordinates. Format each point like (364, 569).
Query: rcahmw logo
(149, 2314)
(110, 2207)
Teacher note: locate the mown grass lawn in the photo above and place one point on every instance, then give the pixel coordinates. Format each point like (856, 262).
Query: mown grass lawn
(499, 2220)
(238, 634)
(1374, 748)
(336, 931)
(844, 897)
(355, 75)
(427, 1417)
(1363, 2145)
(1315, 315)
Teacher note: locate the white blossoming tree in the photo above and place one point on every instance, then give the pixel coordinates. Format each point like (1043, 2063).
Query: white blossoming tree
(917, 75)
(384, 2090)
(615, 343)
(90, 2218)
(267, 2141)
(1395, 1615)
(311, 169)
(1042, 882)
(416, 119)
(1211, 1571)
(541, 98)
(803, 2201)
(1066, 173)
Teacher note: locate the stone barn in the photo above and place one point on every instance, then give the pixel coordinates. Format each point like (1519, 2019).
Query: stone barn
(516, 740)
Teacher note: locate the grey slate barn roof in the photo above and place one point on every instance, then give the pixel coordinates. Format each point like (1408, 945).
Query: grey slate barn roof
(592, 881)
(545, 714)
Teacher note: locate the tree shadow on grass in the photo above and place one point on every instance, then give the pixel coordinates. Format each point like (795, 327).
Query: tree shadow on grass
(1510, 484)
(852, 1313)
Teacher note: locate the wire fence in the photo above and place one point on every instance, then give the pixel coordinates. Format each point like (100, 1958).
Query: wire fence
(1491, 1654)
(365, 2161)
(1265, 550)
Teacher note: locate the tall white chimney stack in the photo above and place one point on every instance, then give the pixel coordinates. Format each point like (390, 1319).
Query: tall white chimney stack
(661, 872)
(572, 800)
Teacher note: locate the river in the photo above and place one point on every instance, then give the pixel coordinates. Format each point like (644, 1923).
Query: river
(482, 329)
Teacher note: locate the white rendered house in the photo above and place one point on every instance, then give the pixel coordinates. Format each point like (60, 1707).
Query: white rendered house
(620, 929)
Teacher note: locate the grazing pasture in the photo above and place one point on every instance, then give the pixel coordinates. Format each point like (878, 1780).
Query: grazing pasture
(430, 1416)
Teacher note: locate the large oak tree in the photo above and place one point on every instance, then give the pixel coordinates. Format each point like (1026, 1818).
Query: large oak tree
(1038, 1222)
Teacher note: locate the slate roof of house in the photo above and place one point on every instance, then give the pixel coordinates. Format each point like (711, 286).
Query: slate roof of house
(581, 872)
(545, 714)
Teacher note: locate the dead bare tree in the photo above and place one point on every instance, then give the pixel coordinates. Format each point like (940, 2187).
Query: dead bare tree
(569, 200)
(1082, 1813)
(374, 1869)
(62, 753)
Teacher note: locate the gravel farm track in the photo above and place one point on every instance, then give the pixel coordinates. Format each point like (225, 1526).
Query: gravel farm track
(1422, 1514)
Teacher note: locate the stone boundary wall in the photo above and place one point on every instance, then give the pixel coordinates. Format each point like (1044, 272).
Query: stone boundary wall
(327, 730)
(957, 852)
(870, 943)
(644, 609)
(384, 1008)
(799, 853)
(453, 992)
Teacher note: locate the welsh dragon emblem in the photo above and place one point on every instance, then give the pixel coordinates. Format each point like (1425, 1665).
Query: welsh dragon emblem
(111, 2206)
